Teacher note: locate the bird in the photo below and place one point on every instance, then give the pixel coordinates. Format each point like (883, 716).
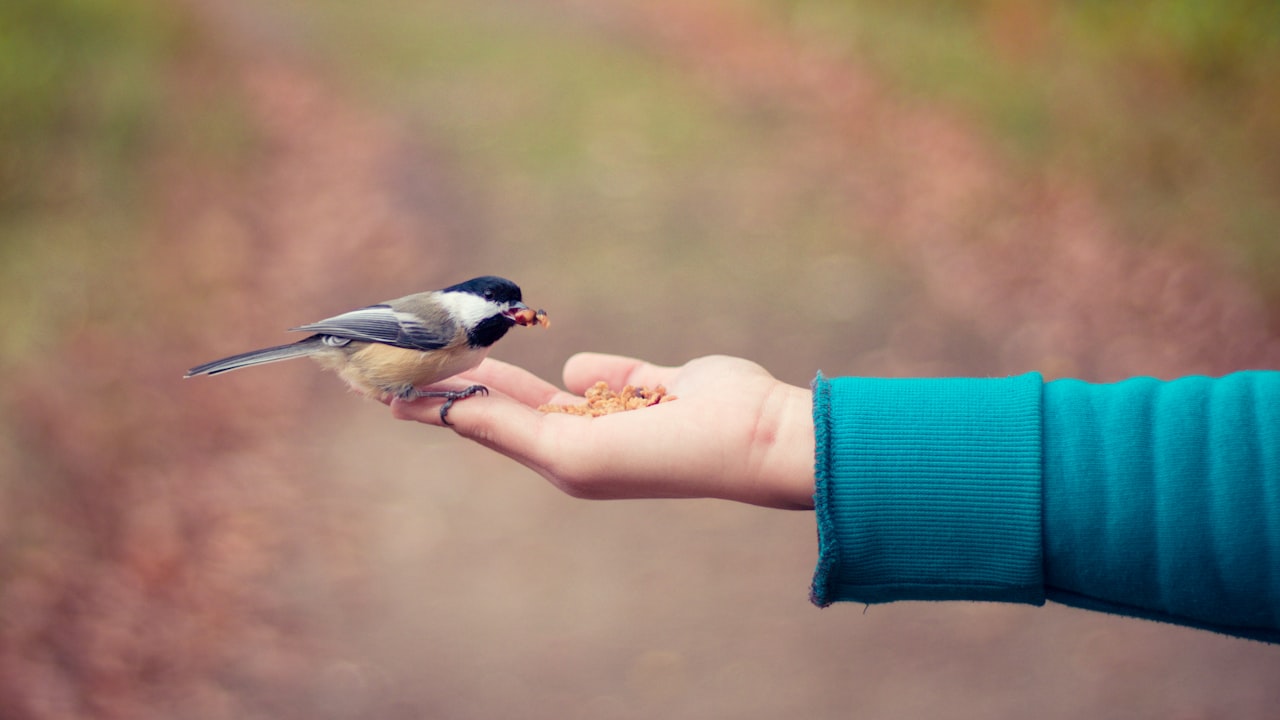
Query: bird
(394, 348)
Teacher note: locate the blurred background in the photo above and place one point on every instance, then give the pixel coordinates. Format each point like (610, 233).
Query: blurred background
(1087, 189)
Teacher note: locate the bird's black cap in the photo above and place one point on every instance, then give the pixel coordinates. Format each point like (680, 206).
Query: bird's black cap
(489, 287)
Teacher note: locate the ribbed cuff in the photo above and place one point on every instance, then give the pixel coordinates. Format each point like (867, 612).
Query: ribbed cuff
(928, 489)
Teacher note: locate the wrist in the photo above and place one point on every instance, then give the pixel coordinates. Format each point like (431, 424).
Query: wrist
(788, 474)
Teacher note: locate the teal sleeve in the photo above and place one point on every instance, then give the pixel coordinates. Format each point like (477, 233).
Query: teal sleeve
(1162, 500)
(1145, 498)
(928, 489)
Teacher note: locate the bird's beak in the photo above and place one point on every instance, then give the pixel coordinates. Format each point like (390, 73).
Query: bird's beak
(516, 311)
(525, 316)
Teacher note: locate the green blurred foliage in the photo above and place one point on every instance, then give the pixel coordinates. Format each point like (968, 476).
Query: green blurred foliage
(80, 84)
(1186, 128)
(78, 81)
(1169, 107)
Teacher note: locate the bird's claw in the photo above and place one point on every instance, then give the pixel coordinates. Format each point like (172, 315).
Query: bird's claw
(450, 397)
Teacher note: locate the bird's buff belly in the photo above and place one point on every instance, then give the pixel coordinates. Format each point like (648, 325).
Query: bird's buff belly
(382, 371)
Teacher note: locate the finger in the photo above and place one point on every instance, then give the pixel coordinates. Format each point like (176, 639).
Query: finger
(586, 369)
(570, 450)
(497, 385)
(500, 423)
(515, 381)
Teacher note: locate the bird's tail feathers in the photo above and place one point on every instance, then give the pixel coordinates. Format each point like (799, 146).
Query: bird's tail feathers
(257, 357)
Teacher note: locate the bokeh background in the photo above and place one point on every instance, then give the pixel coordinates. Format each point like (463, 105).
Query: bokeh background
(905, 187)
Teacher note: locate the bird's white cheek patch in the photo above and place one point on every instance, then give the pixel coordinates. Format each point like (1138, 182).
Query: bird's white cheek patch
(467, 308)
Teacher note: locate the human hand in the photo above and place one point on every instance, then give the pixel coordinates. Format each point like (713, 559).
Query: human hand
(734, 431)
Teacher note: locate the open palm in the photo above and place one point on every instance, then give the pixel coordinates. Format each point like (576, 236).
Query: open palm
(735, 431)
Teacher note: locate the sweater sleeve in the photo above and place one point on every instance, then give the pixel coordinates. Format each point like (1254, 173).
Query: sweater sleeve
(1145, 498)
(1162, 500)
(928, 489)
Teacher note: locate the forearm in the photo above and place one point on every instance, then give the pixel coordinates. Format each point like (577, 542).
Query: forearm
(1159, 500)
(1162, 500)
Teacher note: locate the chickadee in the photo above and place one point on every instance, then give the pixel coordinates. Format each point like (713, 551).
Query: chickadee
(390, 349)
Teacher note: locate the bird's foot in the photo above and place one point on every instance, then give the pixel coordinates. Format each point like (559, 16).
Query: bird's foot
(450, 397)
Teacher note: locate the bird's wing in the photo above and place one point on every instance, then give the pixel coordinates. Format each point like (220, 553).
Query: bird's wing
(382, 324)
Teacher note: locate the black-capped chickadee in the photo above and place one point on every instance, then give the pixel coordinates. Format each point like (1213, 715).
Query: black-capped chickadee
(392, 348)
